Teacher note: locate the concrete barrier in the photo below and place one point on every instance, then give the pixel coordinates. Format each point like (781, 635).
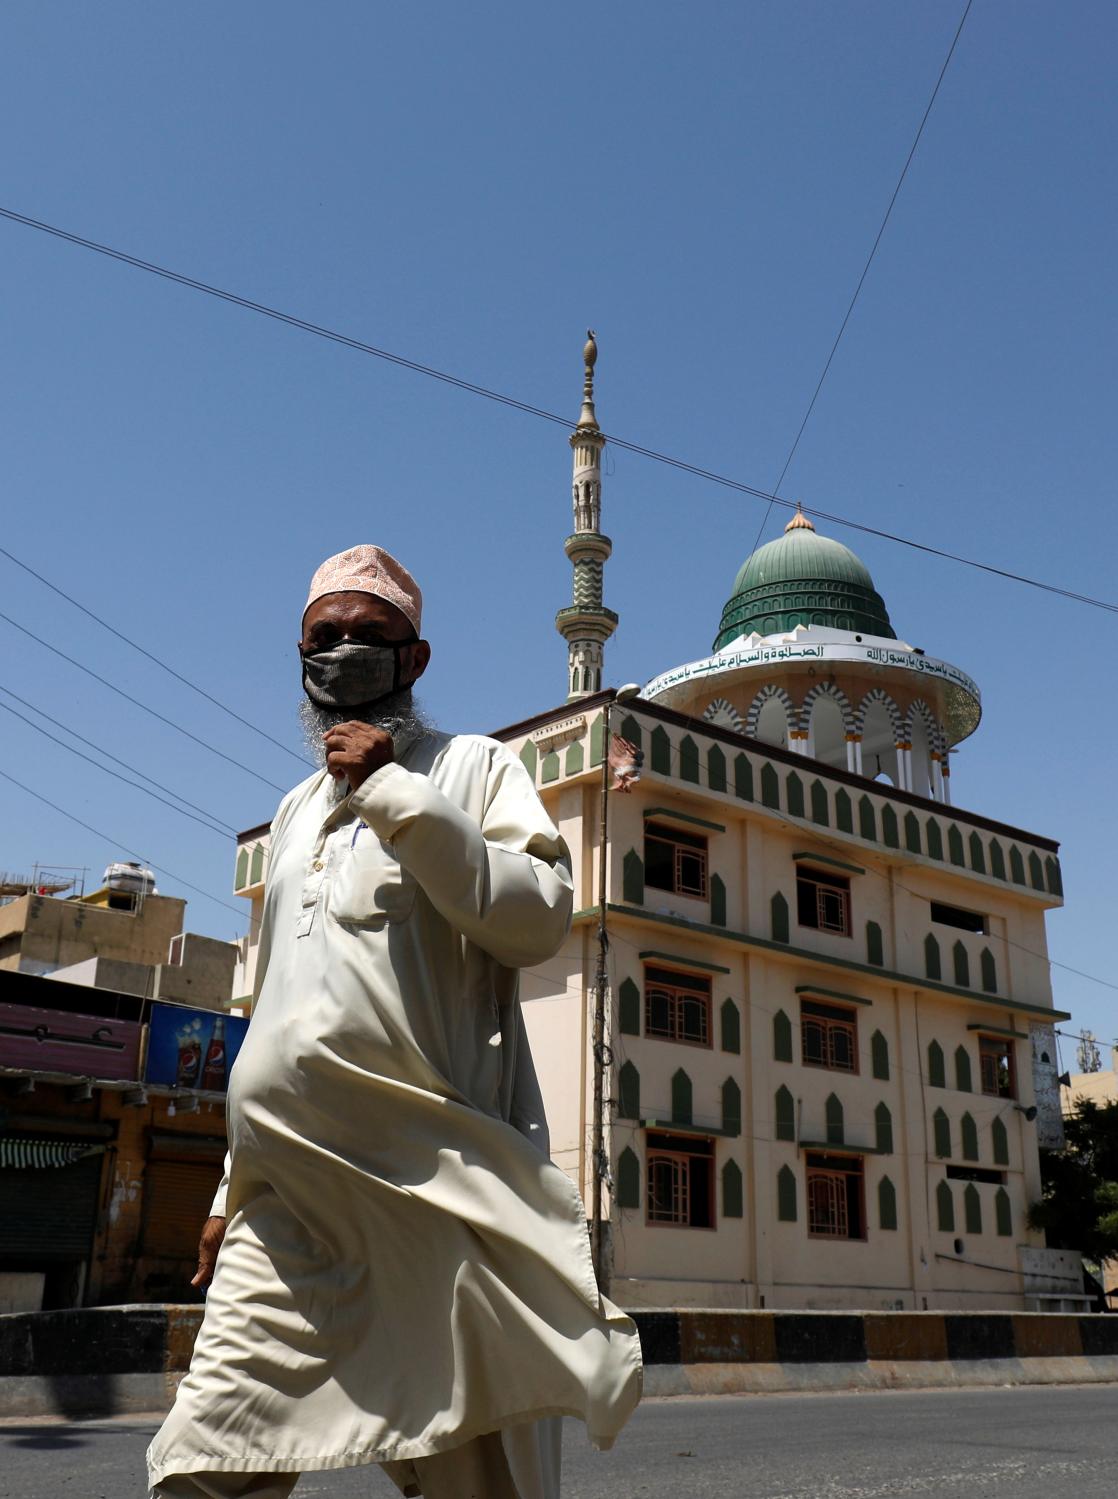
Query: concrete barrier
(101, 1361)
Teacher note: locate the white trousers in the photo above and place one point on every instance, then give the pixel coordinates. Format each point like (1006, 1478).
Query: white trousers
(521, 1462)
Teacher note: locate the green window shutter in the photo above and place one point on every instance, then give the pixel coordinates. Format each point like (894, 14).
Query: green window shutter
(731, 1190)
(549, 769)
(576, 758)
(794, 793)
(931, 957)
(632, 878)
(779, 907)
(968, 1130)
(731, 1026)
(945, 1208)
(629, 1008)
(937, 1072)
(717, 901)
(681, 1098)
(743, 778)
(886, 1204)
(770, 787)
(628, 1179)
(256, 869)
(628, 1092)
(934, 837)
(1003, 1213)
(836, 1125)
(786, 1195)
(1016, 865)
(879, 1056)
(962, 1070)
(999, 1140)
(989, 971)
(972, 1209)
(883, 1129)
(961, 962)
(955, 846)
(731, 1107)
(867, 822)
(688, 760)
(529, 757)
(1036, 871)
(844, 811)
(977, 854)
(784, 1106)
(598, 740)
(997, 859)
(875, 948)
(782, 1037)
(716, 769)
(240, 879)
(631, 730)
(912, 833)
(820, 812)
(941, 1133)
(660, 756)
(889, 831)
(1055, 881)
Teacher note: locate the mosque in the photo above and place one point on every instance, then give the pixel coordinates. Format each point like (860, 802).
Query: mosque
(827, 1056)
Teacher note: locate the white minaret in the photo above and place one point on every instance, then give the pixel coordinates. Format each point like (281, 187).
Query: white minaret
(586, 624)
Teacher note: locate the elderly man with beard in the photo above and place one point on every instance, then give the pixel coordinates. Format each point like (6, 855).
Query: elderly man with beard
(399, 1274)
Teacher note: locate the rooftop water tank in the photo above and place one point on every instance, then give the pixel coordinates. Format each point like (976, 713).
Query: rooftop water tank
(130, 877)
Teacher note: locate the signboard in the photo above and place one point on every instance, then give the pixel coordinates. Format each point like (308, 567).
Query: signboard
(42, 1040)
(189, 1048)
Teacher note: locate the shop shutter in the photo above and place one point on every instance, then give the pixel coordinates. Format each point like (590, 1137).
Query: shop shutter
(177, 1198)
(48, 1215)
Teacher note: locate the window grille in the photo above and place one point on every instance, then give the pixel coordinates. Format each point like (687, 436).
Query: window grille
(835, 1204)
(829, 1036)
(677, 1006)
(675, 861)
(995, 1062)
(680, 1180)
(823, 901)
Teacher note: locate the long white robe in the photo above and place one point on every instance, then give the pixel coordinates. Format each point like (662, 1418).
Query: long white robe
(402, 1270)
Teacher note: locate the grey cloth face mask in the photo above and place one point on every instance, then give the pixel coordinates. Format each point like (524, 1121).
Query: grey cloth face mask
(352, 676)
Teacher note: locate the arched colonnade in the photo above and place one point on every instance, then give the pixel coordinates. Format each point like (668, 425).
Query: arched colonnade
(870, 737)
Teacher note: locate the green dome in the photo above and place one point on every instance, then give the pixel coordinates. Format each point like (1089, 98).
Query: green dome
(803, 578)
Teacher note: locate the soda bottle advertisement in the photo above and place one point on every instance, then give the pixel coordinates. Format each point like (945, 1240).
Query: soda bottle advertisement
(190, 1048)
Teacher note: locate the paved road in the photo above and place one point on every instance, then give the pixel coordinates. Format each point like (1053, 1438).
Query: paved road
(1054, 1443)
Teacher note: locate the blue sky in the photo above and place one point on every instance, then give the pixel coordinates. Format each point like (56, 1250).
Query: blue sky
(471, 187)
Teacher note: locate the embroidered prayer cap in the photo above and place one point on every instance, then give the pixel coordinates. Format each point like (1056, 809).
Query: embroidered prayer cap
(369, 569)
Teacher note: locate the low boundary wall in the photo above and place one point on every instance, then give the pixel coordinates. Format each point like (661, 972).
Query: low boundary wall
(102, 1361)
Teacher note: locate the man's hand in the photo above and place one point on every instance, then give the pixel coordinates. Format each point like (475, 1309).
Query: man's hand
(213, 1232)
(355, 750)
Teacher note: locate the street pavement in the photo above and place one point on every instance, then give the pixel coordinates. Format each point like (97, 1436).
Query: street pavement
(1036, 1443)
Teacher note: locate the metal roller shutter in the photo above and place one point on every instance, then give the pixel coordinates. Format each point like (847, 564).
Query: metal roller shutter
(177, 1198)
(48, 1215)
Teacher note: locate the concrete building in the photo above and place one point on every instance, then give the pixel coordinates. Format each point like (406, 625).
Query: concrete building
(829, 1043)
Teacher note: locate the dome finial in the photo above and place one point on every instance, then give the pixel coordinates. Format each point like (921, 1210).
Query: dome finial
(587, 416)
(799, 521)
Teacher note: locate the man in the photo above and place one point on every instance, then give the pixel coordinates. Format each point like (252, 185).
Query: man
(404, 1278)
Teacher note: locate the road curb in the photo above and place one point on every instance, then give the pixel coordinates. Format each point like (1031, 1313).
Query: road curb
(102, 1361)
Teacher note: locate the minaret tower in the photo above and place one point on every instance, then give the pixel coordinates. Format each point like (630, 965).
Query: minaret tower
(586, 625)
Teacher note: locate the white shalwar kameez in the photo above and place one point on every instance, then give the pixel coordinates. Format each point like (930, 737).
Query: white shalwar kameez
(403, 1269)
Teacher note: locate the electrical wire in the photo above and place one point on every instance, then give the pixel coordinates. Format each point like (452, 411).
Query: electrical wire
(15, 624)
(865, 272)
(228, 827)
(115, 843)
(136, 646)
(528, 409)
(209, 826)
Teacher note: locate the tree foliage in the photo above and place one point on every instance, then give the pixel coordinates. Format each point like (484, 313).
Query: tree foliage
(1079, 1208)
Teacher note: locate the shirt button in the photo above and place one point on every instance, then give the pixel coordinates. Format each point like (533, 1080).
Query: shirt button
(318, 864)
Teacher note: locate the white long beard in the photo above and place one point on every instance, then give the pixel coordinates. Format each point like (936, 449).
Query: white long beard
(398, 714)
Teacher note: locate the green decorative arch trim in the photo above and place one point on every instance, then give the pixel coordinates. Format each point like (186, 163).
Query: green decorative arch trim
(731, 1026)
(732, 1193)
(629, 1092)
(628, 1179)
(782, 1037)
(786, 1195)
(784, 1110)
(629, 1008)
(716, 769)
(886, 1204)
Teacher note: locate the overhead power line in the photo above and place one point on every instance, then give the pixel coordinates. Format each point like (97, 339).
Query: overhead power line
(136, 646)
(865, 270)
(207, 819)
(115, 843)
(537, 411)
(120, 692)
